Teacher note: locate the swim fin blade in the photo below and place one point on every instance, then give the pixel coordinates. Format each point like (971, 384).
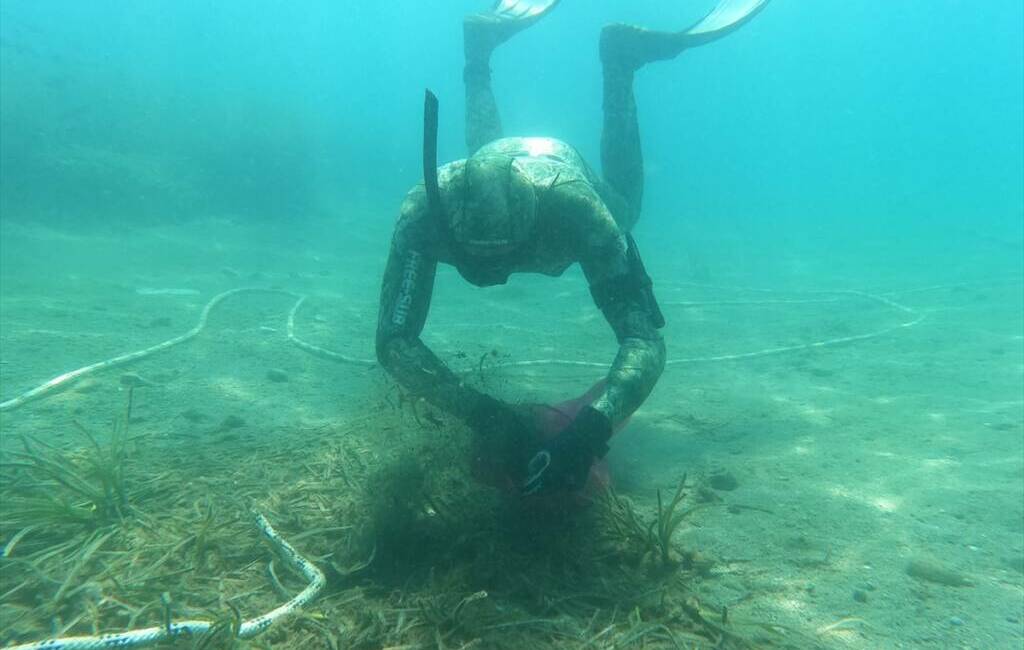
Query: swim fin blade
(631, 47)
(726, 17)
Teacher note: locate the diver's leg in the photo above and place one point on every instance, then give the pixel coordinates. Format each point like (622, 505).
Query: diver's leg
(482, 33)
(624, 50)
(622, 161)
(483, 123)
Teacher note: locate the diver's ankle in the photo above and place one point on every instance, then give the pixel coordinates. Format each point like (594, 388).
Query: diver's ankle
(480, 37)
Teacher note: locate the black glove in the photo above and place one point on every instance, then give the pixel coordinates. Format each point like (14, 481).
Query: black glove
(564, 463)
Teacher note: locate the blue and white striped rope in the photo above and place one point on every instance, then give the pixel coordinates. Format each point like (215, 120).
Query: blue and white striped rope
(248, 629)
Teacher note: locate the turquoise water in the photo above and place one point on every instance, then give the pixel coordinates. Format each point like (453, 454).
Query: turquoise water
(839, 185)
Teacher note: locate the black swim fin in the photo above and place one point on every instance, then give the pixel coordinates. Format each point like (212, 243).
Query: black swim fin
(632, 47)
(486, 30)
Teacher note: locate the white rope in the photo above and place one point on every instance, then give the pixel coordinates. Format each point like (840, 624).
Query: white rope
(64, 379)
(917, 318)
(250, 628)
(61, 380)
(317, 350)
(736, 303)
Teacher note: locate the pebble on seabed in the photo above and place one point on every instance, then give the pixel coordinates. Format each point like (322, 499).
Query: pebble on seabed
(275, 374)
(723, 480)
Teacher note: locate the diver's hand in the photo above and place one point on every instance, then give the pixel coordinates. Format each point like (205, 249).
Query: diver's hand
(564, 463)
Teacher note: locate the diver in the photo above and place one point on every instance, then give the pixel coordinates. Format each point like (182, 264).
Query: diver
(533, 205)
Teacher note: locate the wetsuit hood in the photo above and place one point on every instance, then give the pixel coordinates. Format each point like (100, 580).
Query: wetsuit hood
(494, 208)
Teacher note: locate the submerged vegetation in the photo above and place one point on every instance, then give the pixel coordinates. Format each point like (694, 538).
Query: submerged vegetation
(85, 488)
(418, 555)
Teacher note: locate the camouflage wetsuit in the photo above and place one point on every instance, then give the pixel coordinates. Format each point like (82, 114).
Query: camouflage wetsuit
(579, 218)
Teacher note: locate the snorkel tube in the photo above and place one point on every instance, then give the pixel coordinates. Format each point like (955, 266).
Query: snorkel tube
(430, 157)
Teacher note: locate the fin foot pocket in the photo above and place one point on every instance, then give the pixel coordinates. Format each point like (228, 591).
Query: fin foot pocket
(631, 47)
(487, 30)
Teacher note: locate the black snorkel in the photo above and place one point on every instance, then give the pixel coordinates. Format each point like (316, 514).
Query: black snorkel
(430, 160)
(482, 273)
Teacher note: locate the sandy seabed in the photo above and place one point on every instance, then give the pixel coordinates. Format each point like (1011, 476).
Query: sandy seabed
(863, 494)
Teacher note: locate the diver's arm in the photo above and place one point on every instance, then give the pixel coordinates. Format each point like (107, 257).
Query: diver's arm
(638, 363)
(404, 303)
(622, 290)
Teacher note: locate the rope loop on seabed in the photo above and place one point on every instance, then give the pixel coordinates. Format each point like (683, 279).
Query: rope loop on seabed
(915, 317)
(173, 630)
(63, 379)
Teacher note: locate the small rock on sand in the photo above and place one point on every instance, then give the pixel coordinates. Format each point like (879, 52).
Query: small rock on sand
(194, 416)
(932, 571)
(723, 480)
(278, 375)
(231, 422)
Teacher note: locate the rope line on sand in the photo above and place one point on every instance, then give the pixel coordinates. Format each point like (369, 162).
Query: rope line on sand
(315, 349)
(917, 318)
(172, 630)
(67, 377)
